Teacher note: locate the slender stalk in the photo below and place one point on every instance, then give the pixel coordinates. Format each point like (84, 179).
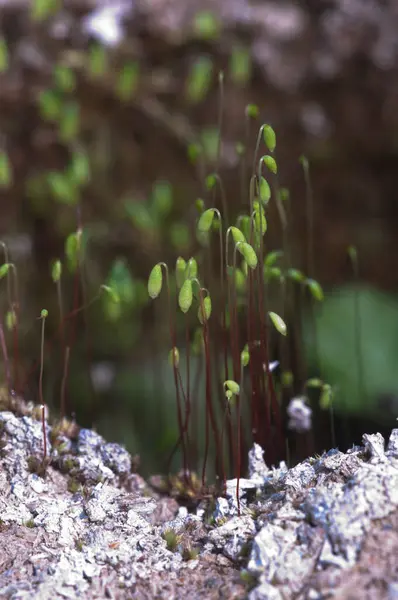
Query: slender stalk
(210, 416)
(43, 422)
(5, 356)
(61, 309)
(15, 322)
(64, 382)
(43, 316)
(175, 369)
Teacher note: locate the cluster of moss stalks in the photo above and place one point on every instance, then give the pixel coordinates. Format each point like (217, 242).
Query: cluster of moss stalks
(230, 285)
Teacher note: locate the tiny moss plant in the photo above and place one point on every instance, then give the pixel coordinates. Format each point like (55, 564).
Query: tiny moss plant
(30, 523)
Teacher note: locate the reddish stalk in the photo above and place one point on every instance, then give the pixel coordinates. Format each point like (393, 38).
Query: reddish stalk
(15, 313)
(5, 356)
(64, 382)
(43, 422)
(210, 416)
(175, 369)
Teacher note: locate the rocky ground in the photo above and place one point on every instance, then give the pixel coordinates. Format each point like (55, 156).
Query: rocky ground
(86, 526)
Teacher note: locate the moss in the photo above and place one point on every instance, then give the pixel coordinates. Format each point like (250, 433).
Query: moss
(30, 524)
(189, 552)
(37, 465)
(172, 539)
(79, 544)
(74, 485)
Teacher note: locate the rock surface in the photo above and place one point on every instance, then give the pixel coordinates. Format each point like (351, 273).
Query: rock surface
(85, 526)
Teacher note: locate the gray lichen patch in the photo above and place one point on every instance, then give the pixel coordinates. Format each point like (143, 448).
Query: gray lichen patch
(301, 532)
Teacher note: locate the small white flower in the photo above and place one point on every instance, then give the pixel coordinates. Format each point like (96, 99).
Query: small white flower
(104, 24)
(300, 415)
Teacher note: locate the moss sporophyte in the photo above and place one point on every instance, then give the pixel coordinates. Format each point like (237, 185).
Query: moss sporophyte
(232, 325)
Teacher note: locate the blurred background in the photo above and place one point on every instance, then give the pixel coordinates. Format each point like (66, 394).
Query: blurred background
(109, 124)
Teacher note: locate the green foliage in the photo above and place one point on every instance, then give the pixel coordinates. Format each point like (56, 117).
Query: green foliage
(270, 163)
(252, 111)
(205, 311)
(62, 188)
(181, 267)
(4, 269)
(174, 357)
(278, 323)
(209, 141)
(50, 105)
(206, 220)
(264, 190)
(140, 215)
(44, 9)
(185, 296)
(97, 63)
(240, 65)
(248, 254)
(56, 271)
(73, 249)
(269, 137)
(339, 355)
(69, 122)
(315, 289)
(6, 177)
(64, 78)
(79, 168)
(206, 25)
(199, 79)
(162, 199)
(155, 281)
(245, 356)
(237, 235)
(4, 58)
(127, 81)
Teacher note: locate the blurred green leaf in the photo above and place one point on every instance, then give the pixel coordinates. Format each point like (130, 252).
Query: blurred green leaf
(127, 81)
(120, 280)
(61, 188)
(315, 289)
(97, 60)
(339, 350)
(4, 58)
(64, 77)
(206, 25)
(139, 215)
(199, 79)
(209, 138)
(69, 122)
(252, 111)
(180, 236)
(195, 150)
(79, 168)
(240, 65)
(73, 249)
(162, 198)
(50, 105)
(43, 9)
(6, 177)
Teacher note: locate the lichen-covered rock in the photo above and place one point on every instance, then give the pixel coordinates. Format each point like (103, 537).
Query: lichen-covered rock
(304, 528)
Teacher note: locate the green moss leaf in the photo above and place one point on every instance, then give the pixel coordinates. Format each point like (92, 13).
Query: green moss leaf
(185, 296)
(248, 254)
(269, 137)
(155, 281)
(278, 323)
